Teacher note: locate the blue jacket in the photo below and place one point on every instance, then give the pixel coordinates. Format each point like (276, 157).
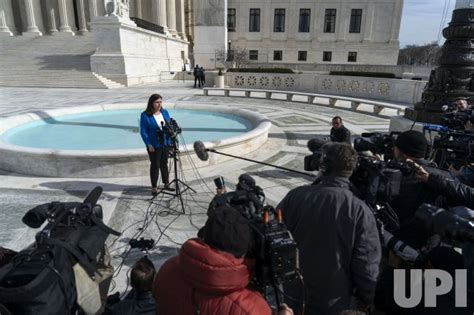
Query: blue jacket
(149, 129)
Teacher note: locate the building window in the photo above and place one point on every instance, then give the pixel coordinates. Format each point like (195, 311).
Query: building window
(356, 21)
(327, 55)
(279, 21)
(278, 55)
(352, 57)
(305, 15)
(254, 22)
(253, 54)
(231, 20)
(302, 55)
(330, 21)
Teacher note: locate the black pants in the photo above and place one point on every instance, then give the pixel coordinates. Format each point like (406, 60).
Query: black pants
(158, 161)
(198, 80)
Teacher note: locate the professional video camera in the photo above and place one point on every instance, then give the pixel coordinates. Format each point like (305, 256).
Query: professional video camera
(57, 273)
(311, 162)
(455, 119)
(445, 223)
(274, 249)
(451, 147)
(377, 143)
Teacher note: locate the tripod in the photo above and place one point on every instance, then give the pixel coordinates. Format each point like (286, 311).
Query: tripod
(179, 184)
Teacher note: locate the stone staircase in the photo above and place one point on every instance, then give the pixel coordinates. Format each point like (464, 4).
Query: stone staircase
(50, 61)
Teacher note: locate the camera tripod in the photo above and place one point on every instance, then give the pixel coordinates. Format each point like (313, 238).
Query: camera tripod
(178, 183)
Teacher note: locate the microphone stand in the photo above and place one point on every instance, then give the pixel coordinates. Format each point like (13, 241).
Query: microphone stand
(178, 191)
(263, 163)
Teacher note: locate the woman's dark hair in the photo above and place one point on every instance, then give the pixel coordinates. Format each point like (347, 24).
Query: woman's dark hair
(149, 107)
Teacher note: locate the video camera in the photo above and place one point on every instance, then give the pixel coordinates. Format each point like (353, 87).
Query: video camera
(311, 162)
(377, 143)
(274, 249)
(451, 147)
(43, 276)
(456, 119)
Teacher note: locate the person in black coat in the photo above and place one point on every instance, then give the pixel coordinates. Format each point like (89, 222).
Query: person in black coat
(339, 133)
(196, 73)
(337, 237)
(411, 146)
(140, 300)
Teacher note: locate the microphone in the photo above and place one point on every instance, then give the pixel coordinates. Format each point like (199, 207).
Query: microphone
(202, 154)
(201, 150)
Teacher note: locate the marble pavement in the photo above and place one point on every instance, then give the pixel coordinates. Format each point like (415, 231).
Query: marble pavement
(126, 201)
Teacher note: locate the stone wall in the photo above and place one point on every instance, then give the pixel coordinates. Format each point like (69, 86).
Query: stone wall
(131, 55)
(376, 42)
(390, 90)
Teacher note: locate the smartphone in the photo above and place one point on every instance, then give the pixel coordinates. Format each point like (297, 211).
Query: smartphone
(219, 181)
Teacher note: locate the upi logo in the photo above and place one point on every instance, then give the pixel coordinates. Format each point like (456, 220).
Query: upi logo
(436, 282)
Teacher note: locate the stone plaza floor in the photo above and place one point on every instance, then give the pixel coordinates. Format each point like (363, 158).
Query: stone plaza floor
(126, 201)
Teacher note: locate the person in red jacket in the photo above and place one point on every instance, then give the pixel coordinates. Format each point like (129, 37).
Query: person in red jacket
(210, 275)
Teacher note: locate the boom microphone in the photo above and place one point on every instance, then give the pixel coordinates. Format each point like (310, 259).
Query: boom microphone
(202, 154)
(201, 150)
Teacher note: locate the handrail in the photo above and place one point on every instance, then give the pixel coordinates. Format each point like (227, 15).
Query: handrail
(377, 106)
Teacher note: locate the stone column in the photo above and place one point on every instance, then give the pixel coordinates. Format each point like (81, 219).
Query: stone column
(138, 9)
(4, 29)
(397, 12)
(52, 21)
(171, 16)
(81, 14)
(180, 19)
(31, 27)
(159, 14)
(6, 8)
(63, 18)
(93, 12)
(369, 22)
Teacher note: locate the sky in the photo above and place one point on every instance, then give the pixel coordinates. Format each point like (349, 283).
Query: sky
(421, 21)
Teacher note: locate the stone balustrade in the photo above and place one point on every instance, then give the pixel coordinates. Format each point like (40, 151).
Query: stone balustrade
(382, 89)
(356, 104)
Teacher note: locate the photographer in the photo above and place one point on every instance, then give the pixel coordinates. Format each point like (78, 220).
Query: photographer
(211, 275)
(461, 104)
(337, 237)
(339, 133)
(458, 193)
(412, 145)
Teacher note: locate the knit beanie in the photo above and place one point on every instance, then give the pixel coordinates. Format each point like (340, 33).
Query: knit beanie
(226, 229)
(412, 143)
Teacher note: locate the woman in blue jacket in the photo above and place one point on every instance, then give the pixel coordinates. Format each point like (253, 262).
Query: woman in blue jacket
(156, 141)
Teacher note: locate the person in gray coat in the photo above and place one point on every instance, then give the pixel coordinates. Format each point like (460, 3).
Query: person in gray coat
(337, 238)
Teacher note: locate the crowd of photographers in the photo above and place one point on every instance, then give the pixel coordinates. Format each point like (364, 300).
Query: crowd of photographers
(363, 217)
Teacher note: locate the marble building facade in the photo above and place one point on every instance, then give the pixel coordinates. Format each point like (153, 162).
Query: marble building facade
(322, 31)
(130, 41)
